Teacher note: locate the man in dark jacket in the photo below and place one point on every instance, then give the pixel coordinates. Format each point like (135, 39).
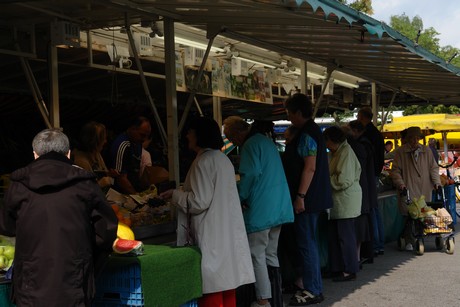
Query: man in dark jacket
(307, 173)
(61, 220)
(373, 134)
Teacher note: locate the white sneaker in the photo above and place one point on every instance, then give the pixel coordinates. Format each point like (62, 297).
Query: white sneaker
(409, 247)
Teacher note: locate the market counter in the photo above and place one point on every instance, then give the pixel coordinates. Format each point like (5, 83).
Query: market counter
(5, 289)
(166, 276)
(393, 221)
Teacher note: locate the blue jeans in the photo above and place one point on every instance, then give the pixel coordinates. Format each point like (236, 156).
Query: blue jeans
(377, 230)
(306, 235)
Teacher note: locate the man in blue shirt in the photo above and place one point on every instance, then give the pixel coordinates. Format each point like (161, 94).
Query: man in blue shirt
(125, 154)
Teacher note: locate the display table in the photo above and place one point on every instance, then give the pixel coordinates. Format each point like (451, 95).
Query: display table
(169, 276)
(393, 221)
(5, 288)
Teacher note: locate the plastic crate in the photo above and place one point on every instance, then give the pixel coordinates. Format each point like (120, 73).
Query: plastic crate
(119, 286)
(192, 303)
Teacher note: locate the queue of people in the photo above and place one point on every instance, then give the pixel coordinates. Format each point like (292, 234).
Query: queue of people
(239, 226)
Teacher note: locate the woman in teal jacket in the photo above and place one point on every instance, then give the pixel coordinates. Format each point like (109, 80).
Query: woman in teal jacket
(344, 171)
(266, 202)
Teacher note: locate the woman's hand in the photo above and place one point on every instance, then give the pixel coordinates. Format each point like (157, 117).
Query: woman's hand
(166, 194)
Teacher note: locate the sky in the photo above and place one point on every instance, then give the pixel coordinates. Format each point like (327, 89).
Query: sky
(442, 15)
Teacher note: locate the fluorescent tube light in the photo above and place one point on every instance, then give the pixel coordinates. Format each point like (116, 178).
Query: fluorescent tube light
(187, 42)
(310, 74)
(254, 62)
(346, 84)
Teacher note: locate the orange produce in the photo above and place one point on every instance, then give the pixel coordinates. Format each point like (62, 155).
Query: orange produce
(115, 208)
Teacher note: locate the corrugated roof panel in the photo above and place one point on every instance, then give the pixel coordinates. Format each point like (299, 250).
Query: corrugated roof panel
(319, 31)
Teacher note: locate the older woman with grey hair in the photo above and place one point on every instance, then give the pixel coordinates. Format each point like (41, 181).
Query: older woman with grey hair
(344, 171)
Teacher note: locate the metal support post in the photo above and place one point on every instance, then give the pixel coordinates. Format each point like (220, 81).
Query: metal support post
(171, 101)
(54, 86)
(144, 82)
(374, 103)
(326, 82)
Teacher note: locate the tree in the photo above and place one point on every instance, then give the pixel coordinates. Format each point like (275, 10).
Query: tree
(364, 6)
(440, 108)
(427, 38)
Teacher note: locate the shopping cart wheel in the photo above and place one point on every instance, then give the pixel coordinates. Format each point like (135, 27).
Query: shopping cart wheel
(401, 244)
(450, 245)
(439, 242)
(419, 247)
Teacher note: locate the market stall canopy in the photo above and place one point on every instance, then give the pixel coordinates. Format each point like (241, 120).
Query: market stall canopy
(426, 122)
(323, 32)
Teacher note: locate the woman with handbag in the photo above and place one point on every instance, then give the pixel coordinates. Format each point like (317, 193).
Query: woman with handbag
(210, 199)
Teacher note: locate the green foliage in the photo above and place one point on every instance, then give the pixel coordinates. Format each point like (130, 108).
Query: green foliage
(364, 6)
(425, 109)
(428, 37)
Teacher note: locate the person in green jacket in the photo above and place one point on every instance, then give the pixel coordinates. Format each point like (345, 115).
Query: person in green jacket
(344, 172)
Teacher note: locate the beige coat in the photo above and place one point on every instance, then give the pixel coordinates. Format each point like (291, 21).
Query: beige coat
(419, 177)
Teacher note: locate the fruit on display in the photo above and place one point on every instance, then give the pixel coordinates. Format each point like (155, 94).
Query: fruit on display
(123, 215)
(6, 256)
(6, 252)
(124, 232)
(122, 246)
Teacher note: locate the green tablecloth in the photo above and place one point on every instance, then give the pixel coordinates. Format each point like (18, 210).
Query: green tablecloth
(170, 276)
(5, 289)
(393, 221)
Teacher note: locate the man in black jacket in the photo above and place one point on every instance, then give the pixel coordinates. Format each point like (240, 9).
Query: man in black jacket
(61, 221)
(373, 134)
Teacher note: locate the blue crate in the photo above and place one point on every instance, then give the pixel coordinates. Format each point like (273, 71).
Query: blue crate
(192, 303)
(119, 285)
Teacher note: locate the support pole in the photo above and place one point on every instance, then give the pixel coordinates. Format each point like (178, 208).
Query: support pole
(303, 77)
(194, 88)
(197, 105)
(171, 101)
(144, 82)
(217, 110)
(384, 119)
(374, 103)
(326, 82)
(35, 90)
(54, 86)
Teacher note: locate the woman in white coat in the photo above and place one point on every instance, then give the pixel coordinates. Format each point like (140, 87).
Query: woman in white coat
(217, 222)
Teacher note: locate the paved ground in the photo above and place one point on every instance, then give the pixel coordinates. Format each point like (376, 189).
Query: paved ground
(398, 278)
(401, 278)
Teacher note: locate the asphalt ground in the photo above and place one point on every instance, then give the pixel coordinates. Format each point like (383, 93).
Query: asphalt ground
(401, 278)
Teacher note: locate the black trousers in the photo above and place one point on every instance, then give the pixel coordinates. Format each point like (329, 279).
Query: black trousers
(343, 252)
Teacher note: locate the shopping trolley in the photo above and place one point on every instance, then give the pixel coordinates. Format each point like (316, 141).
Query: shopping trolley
(416, 228)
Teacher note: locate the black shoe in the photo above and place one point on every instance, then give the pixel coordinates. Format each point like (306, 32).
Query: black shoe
(382, 252)
(304, 298)
(345, 278)
(291, 289)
